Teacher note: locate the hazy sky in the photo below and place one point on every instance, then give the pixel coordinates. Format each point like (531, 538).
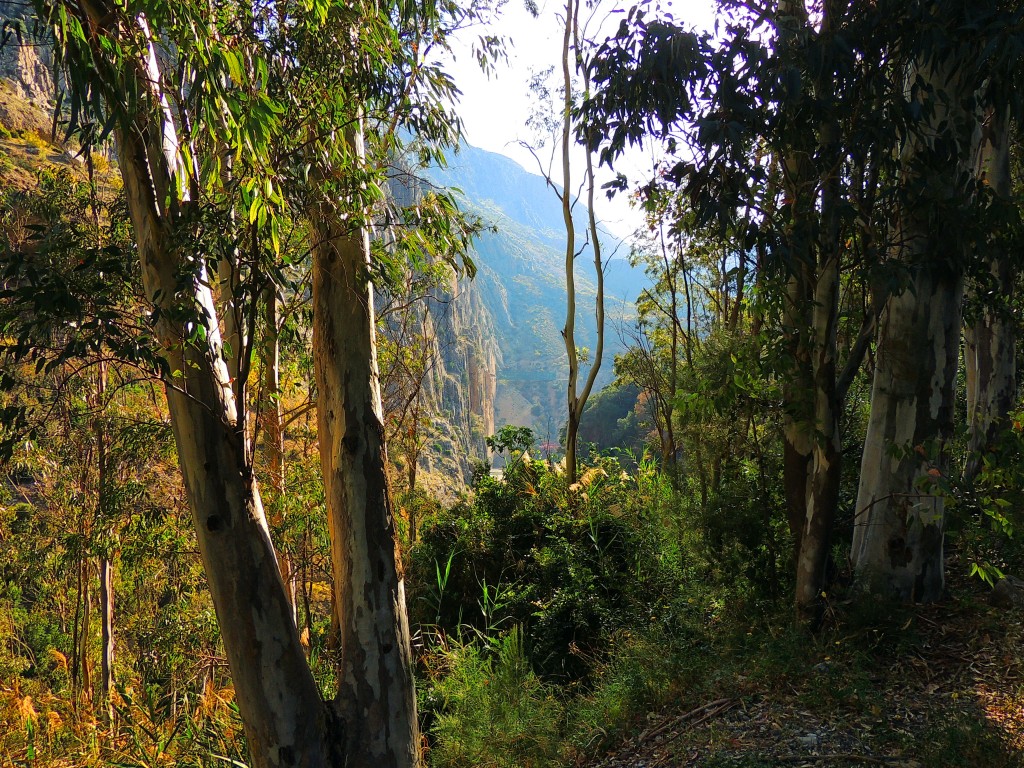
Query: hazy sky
(495, 110)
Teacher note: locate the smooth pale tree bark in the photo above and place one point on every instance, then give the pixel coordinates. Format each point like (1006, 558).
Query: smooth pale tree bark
(898, 529)
(106, 566)
(285, 721)
(273, 428)
(990, 344)
(375, 700)
(107, 634)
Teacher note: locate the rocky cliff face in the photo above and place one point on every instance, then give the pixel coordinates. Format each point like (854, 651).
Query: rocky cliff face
(26, 59)
(520, 284)
(460, 385)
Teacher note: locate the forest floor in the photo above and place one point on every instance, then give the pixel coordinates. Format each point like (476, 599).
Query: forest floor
(939, 685)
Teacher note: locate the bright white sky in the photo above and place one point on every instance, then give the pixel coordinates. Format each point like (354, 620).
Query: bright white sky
(495, 111)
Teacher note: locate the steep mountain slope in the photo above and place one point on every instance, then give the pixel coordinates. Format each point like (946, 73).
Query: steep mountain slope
(499, 335)
(521, 284)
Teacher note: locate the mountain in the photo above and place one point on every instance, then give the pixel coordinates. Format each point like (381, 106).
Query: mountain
(521, 285)
(498, 335)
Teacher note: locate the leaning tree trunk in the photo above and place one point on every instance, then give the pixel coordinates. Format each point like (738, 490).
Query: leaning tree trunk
(990, 344)
(375, 701)
(898, 528)
(279, 702)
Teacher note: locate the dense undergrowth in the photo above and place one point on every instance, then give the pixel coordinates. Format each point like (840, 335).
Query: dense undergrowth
(549, 618)
(549, 621)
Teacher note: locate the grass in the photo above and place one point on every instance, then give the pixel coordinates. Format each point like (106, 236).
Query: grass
(928, 686)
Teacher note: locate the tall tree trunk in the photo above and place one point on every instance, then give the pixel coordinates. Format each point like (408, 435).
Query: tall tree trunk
(799, 182)
(990, 344)
(106, 567)
(899, 524)
(898, 530)
(569, 329)
(273, 429)
(281, 708)
(375, 700)
(107, 634)
(576, 399)
(825, 464)
(86, 632)
(825, 461)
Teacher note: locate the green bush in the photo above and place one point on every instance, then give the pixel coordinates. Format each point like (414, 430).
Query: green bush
(571, 566)
(494, 712)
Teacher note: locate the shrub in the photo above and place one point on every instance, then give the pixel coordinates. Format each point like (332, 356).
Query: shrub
(570, 565)
(494, 712)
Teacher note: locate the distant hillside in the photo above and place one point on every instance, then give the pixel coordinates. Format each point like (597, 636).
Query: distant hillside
(521, 284)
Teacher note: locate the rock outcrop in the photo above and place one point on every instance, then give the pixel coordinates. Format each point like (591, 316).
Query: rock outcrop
(459, 387)
(26, 58)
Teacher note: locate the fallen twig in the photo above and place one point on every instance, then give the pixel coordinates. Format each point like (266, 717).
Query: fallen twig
(725, 704)
(670, 722)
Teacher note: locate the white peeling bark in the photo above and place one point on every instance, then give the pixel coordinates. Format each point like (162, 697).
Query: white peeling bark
(375, 702)
(282, 711)
(990, 344)
(898, 529)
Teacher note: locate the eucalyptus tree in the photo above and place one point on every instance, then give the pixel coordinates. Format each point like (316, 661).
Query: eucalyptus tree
(956, 62)
(873, 193)
(774, 139)
(990, 338)
(573, 83)
(282, 91)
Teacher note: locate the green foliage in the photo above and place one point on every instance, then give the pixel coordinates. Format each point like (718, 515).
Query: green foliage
(610, 420)
(571, 566)
(515, 440)
(986, 512)
(492, 709)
